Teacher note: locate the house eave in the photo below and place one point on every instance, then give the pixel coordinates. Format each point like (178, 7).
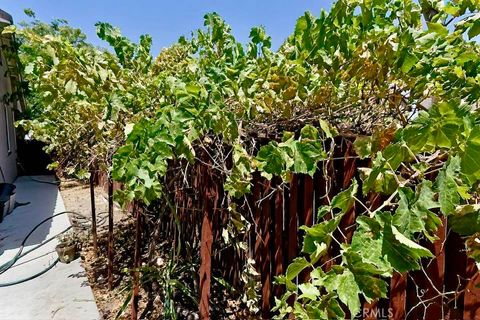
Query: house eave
(5, 17)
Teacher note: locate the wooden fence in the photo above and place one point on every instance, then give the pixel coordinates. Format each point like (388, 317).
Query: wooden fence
(276, 211)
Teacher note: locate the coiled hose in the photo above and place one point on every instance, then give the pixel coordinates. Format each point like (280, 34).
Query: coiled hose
(9, 264)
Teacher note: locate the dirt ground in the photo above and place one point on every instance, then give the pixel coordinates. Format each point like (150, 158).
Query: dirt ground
(76, 197)
(115, 304)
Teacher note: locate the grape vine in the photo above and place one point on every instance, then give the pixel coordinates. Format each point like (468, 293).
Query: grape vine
(401, 78)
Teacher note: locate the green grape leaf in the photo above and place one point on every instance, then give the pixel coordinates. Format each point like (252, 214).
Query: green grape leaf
(437, 28)
(345, 285)
(330, 131)
(395, 154)
(308, 291)
(465, 220)
(366, 275)
(414, 210)
(474, 29)
(318, 234)
(363, 146)
(368, 241)
(402, 253)
(271, 160)
(345, 199)
(448, 195)
(470, 159)
(295, 267)
(385, 182)
(408, 62)
(307, 155)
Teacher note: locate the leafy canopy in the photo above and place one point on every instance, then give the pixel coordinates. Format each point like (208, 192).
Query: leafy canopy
(400, 76)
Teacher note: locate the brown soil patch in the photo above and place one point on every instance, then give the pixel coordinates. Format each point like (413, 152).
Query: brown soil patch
(76, 197)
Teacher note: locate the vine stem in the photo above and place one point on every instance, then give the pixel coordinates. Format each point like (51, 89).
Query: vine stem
(110, 232)
(386, 203)
(363, 205)
(94, 215)
(400, 184)
(330, 260)
(423, 302)
(136, 262)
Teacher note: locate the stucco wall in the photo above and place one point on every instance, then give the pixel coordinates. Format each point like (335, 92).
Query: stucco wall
(8, 158)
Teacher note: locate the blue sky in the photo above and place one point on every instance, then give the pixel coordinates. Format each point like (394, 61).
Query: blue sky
(167, 20)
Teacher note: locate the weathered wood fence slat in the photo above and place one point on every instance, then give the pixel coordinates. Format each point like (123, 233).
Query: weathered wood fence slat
(277, 209)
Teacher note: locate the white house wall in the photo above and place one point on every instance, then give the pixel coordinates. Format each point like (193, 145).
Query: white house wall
(8, 158)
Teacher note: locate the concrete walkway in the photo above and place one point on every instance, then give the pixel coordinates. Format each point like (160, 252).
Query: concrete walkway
(61, 293)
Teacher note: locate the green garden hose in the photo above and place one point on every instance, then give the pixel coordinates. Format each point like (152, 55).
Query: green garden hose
(9, 264)
(8, 284)
(4, 267)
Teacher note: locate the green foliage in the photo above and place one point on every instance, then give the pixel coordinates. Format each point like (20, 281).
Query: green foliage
(441, 142)
(400, 75)
(29, 12)
(448, 194)
(173, 279)
(414, 213)
(387, 241)
(80, 98)
(220, 86)
(292, 155)
(466, 220)
(238, 182)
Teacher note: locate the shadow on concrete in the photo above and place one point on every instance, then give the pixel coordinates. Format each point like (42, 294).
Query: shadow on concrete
(62, 292)
(16, 226)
